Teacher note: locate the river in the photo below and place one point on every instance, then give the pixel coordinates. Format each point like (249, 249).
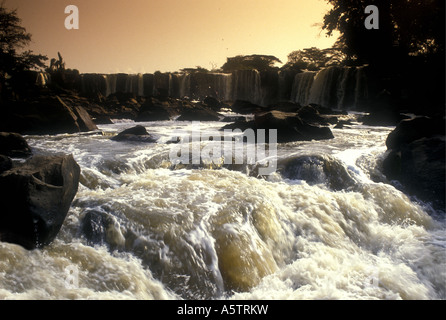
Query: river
(325, 225)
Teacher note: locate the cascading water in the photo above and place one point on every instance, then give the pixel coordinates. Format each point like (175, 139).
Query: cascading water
(247, 86)
(301, 87)
(318, 228)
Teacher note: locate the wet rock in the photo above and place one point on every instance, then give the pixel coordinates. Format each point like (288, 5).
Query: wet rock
(212, 103)
(416, 159)
(5, 163)
(14, 145)
(315, 169)
(290, 127)
(233, 118)
(198, 112)
(155, 110)
(101, 228)
(35, 198)
(137, 134)
(246, 107)
(410, 130)
(45, 115)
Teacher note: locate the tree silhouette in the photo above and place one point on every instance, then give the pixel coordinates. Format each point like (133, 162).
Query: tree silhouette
(250, 62)
(406, 28)
(13, 39)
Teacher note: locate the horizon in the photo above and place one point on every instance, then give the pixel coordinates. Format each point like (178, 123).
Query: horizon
(149, 36)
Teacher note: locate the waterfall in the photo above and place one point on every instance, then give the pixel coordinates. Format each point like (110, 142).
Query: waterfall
(184, 85)
(325, 87)
(361, 88)
(222, 86)
(247, 86)
(110, 80)
(301, 87)
(346, 88)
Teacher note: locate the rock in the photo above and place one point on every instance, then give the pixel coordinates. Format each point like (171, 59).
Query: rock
(101, 228)
(416, 159)
(35, 199)
(382, 118)
(14, 145)
(212, 103)
(5, 163)
(198, 112)
(290, 127)
(342, 123)
(154, 110)
(310, 115)
(410, 130)
(233, 118)
(137, 134)
(316, 169)
(246, 107)
(45, 115)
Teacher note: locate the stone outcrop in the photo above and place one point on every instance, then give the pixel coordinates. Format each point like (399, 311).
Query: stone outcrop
(416, 159)
(35, 198)
(136, 134)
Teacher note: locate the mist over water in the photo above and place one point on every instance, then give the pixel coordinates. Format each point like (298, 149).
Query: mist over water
(325, 225)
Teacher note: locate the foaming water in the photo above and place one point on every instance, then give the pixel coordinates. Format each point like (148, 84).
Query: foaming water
(321, 227)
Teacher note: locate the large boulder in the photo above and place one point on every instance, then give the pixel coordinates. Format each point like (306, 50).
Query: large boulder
(198, 112)
(155, 110)
(45, 115)
(137, 134)
(35, 198)
(13, 145)
(416, 159)
(246, 107)
(290, 127)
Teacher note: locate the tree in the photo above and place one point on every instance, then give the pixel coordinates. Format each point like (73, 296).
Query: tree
(13, 40)
(406, 28)
(250, 62)
(313, 59)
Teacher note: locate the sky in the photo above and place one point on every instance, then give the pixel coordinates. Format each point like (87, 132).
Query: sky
(144, 36)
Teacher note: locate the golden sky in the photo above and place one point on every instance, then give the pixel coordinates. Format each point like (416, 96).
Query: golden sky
(143, 36)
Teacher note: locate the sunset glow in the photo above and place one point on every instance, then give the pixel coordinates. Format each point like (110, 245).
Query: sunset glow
(141, 36)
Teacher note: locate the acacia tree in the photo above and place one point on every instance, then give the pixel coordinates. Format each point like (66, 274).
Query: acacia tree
(13, 39)
(314, 59)
(250, 62)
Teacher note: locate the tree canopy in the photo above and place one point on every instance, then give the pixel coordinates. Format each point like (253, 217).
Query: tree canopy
(250, 62)
(406, 28)
(314, 59)
(13, 40)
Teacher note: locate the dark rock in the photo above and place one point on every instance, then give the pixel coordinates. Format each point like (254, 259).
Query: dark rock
(233, 119)
(381, 118)
(285, 106)
(316, 169)
(410, 130)
(137, 134)
(198, 112)
(246, 107)
(35, 198)
(342, 123)
(154, 110)
(5, 163)
(212, 103)
(14, 145)
(416, 159)
(45, 115)
(311, 115)
(290, 127)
